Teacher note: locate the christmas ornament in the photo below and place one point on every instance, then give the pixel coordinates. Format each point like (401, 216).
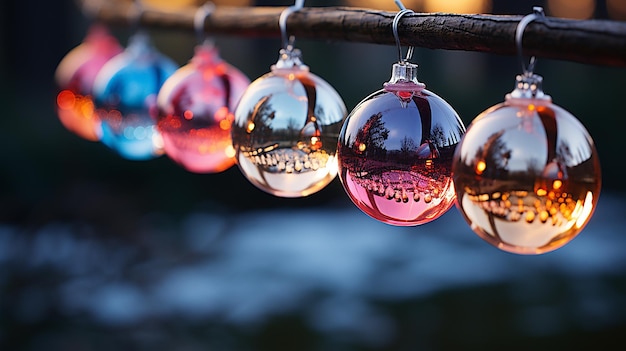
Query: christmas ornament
(75, 76)
(286, 126)
(125, 93)
(395, 149)
(527, 174)
(195, 108)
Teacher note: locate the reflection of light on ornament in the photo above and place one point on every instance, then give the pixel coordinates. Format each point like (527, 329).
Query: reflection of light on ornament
(286, 127)
(75, 76)
(480, 167)
(395, 151)
(125, 92)
(556, 184)
(194, 111)
(540, 177)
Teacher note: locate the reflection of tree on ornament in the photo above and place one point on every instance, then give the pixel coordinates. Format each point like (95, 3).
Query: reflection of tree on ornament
(395, 155)
(517, 183)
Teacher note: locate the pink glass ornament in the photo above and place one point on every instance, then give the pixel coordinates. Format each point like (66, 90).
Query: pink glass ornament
(195, 112)
(527, 173)
(286, 127)
(75, 76)
(125, 92)
(395, 151)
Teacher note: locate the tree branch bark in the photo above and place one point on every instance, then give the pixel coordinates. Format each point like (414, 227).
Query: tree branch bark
(596, 42)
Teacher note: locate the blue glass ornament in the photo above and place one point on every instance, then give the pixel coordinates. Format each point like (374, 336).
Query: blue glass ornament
(125, 93)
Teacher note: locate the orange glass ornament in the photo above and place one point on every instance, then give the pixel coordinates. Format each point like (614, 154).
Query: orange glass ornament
(527, 174)
(75, 76)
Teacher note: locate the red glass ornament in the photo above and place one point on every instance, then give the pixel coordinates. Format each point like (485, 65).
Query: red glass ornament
(195, 112)
(527, 173)
(75, 76)
(395, 151)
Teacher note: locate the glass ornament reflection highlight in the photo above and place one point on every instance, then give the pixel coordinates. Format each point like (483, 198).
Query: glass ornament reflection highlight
(125, 94)
(527, 173)
(395, 151)
(286, 128)
(195, 112)
(75, 76)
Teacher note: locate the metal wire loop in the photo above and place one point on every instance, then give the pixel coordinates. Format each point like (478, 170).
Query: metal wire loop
(519, 32)
(199, 20)
(394, 28)
(282, 22)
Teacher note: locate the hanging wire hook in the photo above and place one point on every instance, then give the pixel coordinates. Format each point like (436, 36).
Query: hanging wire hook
(137, 10)
(519, 32)
(282, 22)
(403, 11)
(199, 20)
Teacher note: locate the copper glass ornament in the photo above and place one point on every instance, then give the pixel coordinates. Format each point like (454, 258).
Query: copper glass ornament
(526, 173)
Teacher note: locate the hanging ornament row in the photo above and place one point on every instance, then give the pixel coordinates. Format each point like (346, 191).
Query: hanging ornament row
(525, 174)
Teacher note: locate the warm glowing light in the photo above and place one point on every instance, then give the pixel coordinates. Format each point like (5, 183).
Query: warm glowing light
(250, 127)
(457, 6)
(188, 114)
(225, 124)
(384, 4)
(230, 151)
(480, 167)
(531, 107)
(542, 192)
(556, 184)
(362, 147)
(616, 9)
(169, 4)
(314, 140)
(291, 76)
(66, 100)
(221, 113)
(578, 9)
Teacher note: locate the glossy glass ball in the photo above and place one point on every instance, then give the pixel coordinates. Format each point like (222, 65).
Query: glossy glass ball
(75, 76)
(125, 94)
(527, 175)
(395, 155)
(195, 112)
(285, 131)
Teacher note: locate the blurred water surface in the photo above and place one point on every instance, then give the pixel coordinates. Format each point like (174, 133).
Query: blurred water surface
(334, 275)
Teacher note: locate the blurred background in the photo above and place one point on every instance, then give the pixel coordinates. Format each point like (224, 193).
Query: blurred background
(101, 253)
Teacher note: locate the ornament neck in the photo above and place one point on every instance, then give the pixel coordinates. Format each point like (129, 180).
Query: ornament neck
(206, 54)
(528, 86)
(404, 78)
(289, 59)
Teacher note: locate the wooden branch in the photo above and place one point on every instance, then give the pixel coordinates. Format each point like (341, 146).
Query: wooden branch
(597, 42)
